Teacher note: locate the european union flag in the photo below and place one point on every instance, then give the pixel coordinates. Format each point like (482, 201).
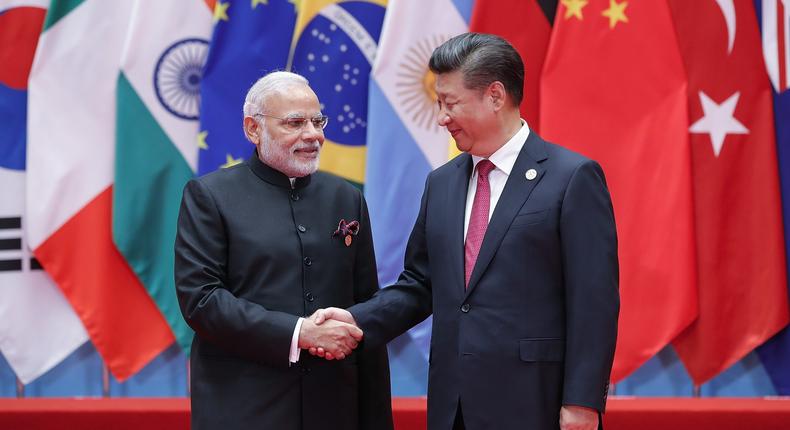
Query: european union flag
(251, 38)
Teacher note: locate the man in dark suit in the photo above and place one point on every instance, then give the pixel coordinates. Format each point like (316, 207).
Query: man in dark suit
(514, 251)
(261, 245)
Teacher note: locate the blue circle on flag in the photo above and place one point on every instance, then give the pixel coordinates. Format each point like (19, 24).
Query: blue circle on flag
(333, 53)
(177, 77)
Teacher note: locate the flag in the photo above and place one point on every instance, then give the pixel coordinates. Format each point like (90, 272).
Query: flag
(158, 97)
(742, 282)
(70, 160)
(527, 26)
(334, 45)
(775, 25)
(404, 140)
(614, 89)
(251, 38)
(774, 17)
(38, 327)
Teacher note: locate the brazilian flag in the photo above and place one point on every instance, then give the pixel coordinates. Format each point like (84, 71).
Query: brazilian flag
(334, 45)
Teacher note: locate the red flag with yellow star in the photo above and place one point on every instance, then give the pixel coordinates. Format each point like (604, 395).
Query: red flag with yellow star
(614, 89)
(527, 26)
(740, 251)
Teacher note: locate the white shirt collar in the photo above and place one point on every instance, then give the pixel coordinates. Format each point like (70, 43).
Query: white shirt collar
(505, 157)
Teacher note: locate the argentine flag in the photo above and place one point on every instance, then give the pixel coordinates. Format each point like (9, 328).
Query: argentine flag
(404, 145)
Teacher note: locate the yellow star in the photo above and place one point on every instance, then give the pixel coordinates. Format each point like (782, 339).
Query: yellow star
(255, 3)
(615, 13)
(230, 161)
(221, 11)
(574, 8)
(297, 4)
(201, 140)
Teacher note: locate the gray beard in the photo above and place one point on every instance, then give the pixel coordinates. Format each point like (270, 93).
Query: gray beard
(283, 159)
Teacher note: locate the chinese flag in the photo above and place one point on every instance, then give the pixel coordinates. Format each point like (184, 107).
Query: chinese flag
(740, 249)
(526, 24)
(614, 89)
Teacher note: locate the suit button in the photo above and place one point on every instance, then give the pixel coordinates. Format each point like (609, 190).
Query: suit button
(309, 297)
(301, 228)
(465, 308)
(308, 261)
(305, 370)
(294, 196)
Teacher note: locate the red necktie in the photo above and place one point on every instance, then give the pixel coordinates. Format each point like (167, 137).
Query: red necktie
(478, 220)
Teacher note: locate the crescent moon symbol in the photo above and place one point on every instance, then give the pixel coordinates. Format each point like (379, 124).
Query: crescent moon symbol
(728, 10)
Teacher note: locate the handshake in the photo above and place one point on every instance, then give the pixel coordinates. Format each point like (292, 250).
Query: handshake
(330, 333)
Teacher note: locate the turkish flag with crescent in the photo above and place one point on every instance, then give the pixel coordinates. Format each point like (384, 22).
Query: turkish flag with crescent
(614, 89)
(740, 250)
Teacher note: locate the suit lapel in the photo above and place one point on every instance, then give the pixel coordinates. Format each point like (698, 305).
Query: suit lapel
(517, 190)
(456, 207)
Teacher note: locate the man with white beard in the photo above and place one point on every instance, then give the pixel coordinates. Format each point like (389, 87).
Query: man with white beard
(262, 245)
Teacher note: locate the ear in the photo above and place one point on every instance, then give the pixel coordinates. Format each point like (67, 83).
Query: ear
(251, 130)
(497, 94)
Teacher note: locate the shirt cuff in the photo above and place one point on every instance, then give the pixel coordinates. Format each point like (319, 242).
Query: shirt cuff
(293, 356)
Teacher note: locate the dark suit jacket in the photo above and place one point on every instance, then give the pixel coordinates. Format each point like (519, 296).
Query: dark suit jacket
(536, 328)
(252, 255)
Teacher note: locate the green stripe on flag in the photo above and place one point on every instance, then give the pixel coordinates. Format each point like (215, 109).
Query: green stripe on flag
(150, 174)
(58, 9)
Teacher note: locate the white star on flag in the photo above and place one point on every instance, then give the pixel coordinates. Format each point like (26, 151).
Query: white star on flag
(718, 120)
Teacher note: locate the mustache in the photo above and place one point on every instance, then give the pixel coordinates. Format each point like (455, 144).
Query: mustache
(314, 146)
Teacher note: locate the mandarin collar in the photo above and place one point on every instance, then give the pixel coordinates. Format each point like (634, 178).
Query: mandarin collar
(273, 176)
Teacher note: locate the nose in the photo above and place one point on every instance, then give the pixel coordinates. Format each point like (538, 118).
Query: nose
(443, 118)
(311, 132)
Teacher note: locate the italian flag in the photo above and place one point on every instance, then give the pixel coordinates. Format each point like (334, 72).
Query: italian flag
(71, 158)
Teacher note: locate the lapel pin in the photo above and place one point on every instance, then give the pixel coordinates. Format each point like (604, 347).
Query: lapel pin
(531, 174)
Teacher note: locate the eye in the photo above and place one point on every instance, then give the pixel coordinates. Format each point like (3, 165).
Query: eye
(319, 122)
(295, 123)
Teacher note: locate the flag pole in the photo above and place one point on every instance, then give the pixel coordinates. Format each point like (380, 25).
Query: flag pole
(105, 380)
(20, 388)
(189, 378)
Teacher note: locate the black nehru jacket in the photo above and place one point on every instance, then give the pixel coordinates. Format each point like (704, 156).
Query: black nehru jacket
(252, 254)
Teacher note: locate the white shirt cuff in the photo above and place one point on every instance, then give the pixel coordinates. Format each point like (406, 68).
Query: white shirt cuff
(293, 356)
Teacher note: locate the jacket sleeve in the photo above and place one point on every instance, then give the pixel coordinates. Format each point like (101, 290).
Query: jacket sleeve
(590, 269)
(397, 308)
(375, 402)
(239, 326)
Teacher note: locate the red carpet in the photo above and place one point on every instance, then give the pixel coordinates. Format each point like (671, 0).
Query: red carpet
(173, 414)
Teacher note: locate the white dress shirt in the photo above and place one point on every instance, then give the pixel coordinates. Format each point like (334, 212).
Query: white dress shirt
(504, 159)
(293, 355)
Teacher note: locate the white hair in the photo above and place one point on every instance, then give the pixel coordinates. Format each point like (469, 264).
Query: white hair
(267, 85)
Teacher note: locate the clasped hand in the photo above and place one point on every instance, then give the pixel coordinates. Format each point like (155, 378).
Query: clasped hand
(330, 333)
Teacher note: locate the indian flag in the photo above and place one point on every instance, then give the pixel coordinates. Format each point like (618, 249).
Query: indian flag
(70, 161)
(158, 100)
